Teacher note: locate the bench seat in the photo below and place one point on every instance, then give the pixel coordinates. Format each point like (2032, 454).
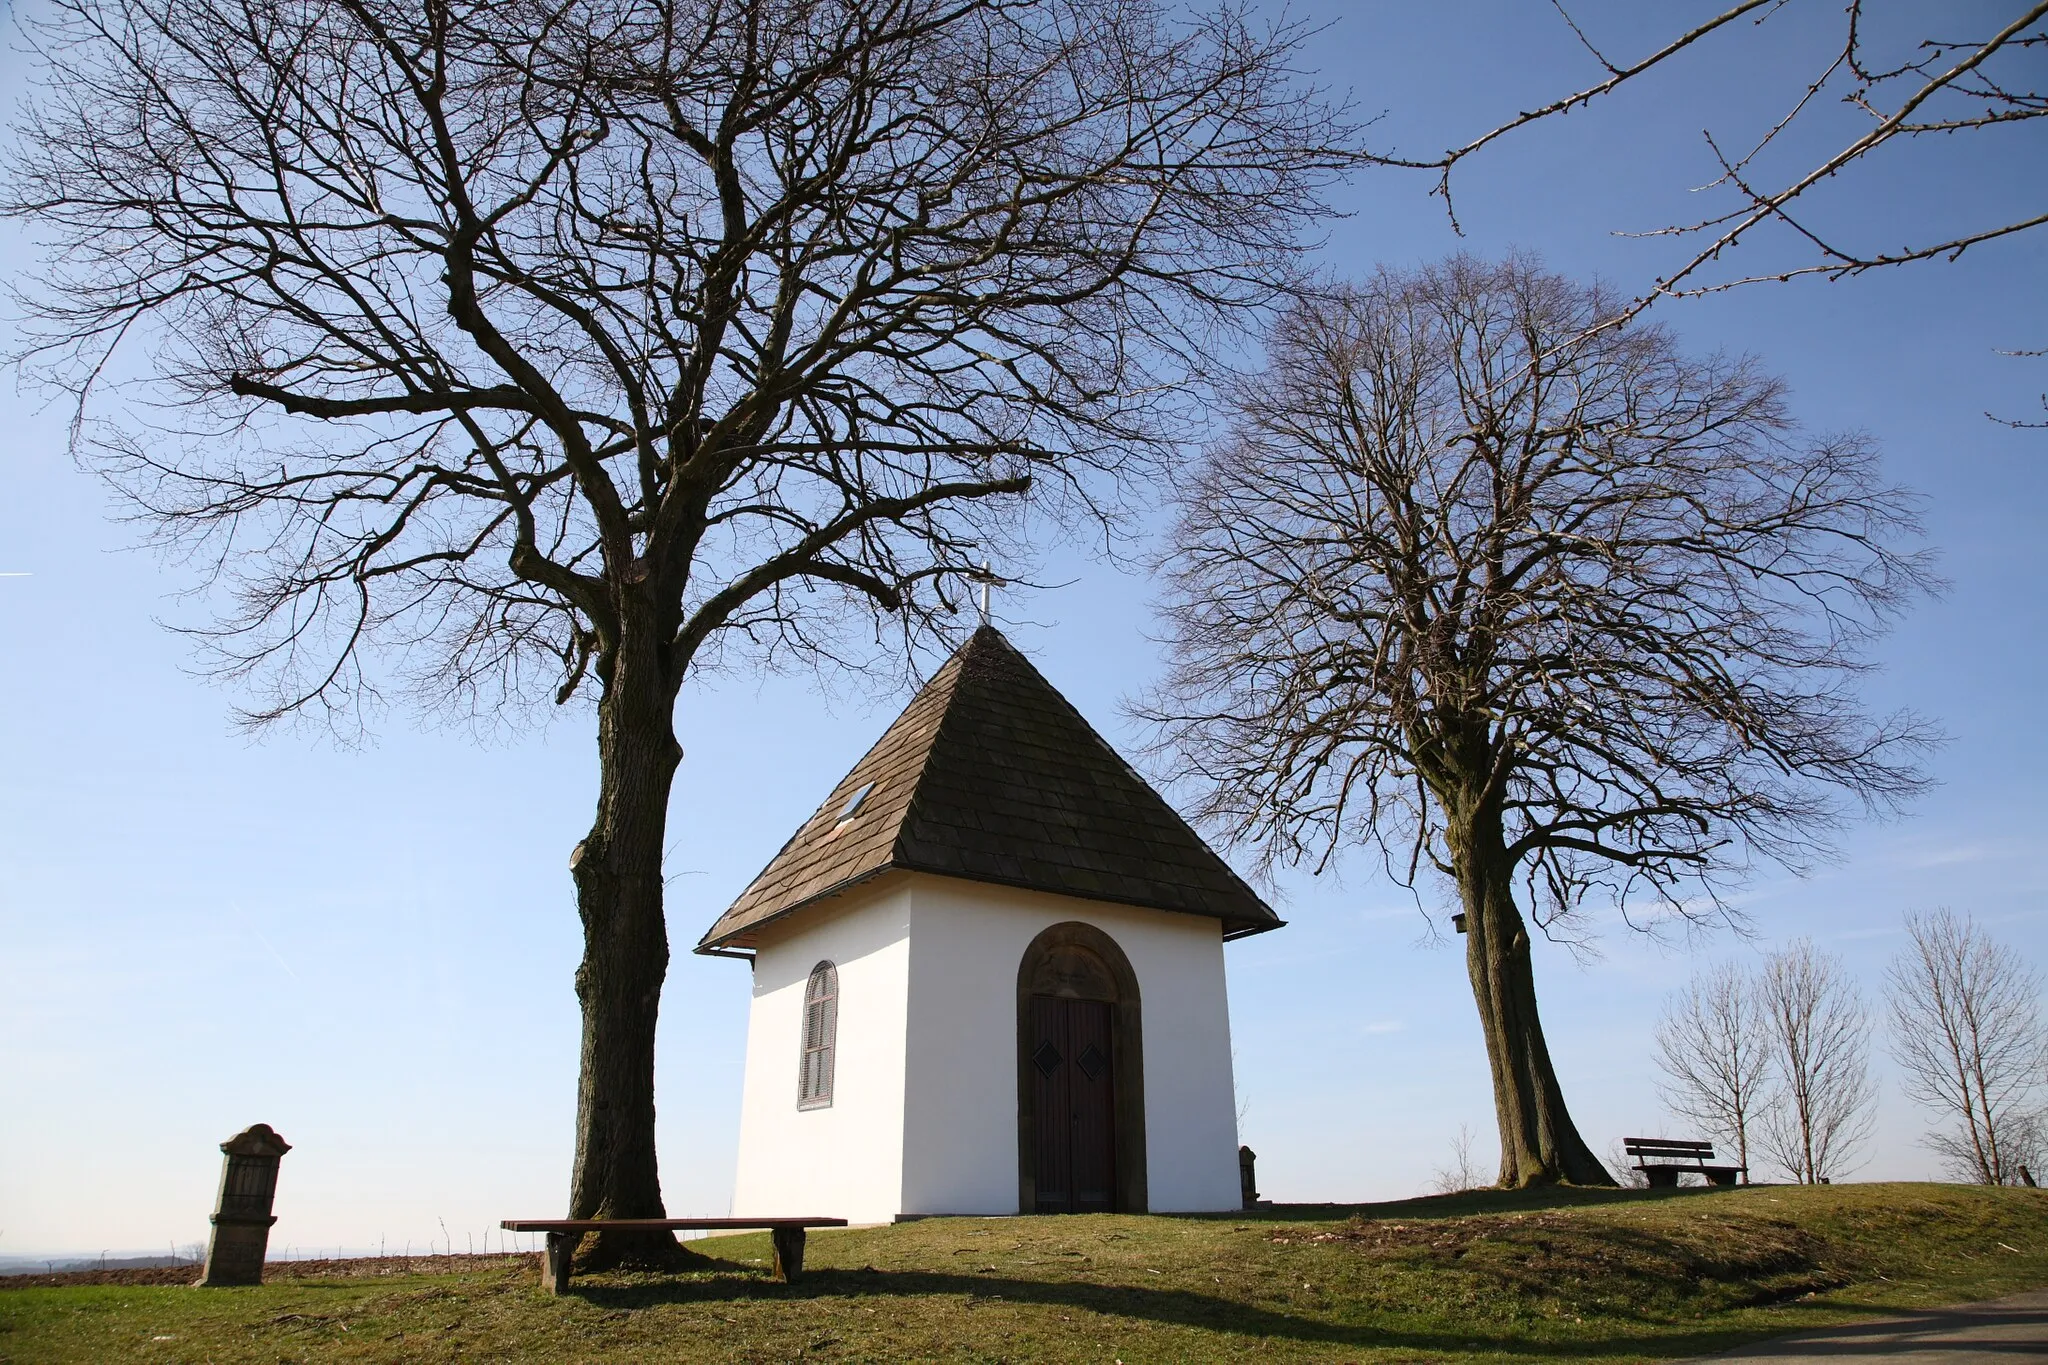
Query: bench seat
(563, 1234)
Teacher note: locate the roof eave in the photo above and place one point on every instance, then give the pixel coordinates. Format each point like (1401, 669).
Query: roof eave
(709, 946)
(1245, 929)
(1234, 926)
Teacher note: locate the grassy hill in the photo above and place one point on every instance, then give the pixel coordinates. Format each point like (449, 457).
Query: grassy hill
(1559, 1275)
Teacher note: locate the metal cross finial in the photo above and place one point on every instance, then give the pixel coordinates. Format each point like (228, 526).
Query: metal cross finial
(988, 580)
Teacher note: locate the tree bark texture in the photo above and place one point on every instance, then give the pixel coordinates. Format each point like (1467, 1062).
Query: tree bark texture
(1539, 1143)
(618, 875)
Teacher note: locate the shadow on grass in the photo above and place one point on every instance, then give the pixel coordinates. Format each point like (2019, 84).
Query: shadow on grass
(1169, 1307)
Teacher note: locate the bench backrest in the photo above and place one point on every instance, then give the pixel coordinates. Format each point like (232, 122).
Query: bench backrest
(1668, 1147)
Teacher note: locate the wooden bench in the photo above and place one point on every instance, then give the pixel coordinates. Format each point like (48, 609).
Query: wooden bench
(1673, 1157)
(564, 1233)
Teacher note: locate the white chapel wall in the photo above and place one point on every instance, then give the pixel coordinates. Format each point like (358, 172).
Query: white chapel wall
(960, 1122)
(844, 1161)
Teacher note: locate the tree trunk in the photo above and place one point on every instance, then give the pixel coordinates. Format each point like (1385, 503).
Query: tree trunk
(618, 873)
(1539, 1144)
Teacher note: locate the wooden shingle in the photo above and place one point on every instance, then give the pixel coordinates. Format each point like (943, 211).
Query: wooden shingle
(989, 774)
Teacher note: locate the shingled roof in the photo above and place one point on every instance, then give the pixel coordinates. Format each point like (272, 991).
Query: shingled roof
(991, 775)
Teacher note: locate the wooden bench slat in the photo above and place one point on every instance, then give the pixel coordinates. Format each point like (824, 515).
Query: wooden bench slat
(1696, 1154)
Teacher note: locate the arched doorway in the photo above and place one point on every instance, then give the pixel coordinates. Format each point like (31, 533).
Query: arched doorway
(1080, 1076)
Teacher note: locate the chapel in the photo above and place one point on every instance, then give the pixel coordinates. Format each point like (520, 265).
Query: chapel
(988, 976)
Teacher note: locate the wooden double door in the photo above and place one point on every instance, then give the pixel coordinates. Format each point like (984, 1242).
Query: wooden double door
(1073, 1075)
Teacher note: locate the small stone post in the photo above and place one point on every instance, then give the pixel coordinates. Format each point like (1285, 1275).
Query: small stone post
(241, 1215)
(1247, 1182)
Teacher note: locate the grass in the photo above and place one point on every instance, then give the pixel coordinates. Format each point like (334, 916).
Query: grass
(1540, 1276)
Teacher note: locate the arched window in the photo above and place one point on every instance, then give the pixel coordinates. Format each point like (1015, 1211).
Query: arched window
(821, 1031)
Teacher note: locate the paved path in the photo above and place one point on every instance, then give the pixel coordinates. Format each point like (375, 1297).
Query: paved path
(2000, 1332)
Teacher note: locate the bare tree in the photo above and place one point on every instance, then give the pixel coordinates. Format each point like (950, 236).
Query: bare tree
(1489, 591)
(1714, 1051)
(1626, 1172)
(1970, 78)
(1459, 1173)
(589, 344)
(1818, 1029)
(1966, 1032)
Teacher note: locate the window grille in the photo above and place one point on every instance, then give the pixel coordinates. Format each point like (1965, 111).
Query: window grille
(821, 1032)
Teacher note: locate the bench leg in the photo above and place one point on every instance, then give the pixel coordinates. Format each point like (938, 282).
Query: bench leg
(1662, 1177)
(789, 1253)
(554, 1261)
(1720, 1177)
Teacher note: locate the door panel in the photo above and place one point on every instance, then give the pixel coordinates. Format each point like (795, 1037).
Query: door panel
(1091, 1079)
(1072, 1060)
(1053, 1121)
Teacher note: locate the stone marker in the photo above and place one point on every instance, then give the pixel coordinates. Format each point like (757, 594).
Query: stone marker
(242, 1216)
(1248, 1184)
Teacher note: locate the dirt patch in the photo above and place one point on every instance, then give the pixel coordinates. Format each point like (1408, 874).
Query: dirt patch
(1379, 1234)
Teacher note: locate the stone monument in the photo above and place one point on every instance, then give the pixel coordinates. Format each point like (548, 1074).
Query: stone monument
(241, 1215)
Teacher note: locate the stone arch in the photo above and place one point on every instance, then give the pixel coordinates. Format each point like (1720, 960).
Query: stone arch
(1080, 961)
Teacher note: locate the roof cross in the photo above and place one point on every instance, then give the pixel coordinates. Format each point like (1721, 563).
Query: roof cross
(986, 576)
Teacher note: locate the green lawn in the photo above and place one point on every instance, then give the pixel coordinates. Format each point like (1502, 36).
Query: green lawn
(1559, 1275)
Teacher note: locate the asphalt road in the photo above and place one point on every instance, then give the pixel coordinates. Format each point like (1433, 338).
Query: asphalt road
(2001, 1331)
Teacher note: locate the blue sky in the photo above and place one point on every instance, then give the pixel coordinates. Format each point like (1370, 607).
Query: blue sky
(370, 948)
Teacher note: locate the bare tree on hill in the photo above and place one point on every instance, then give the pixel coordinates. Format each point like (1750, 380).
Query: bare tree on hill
(1818, 1030)
(1714, 1050)
(1966, 1032)
(1459, 1173)
(1559, 612)
(1627, 1172)
(577, 346)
